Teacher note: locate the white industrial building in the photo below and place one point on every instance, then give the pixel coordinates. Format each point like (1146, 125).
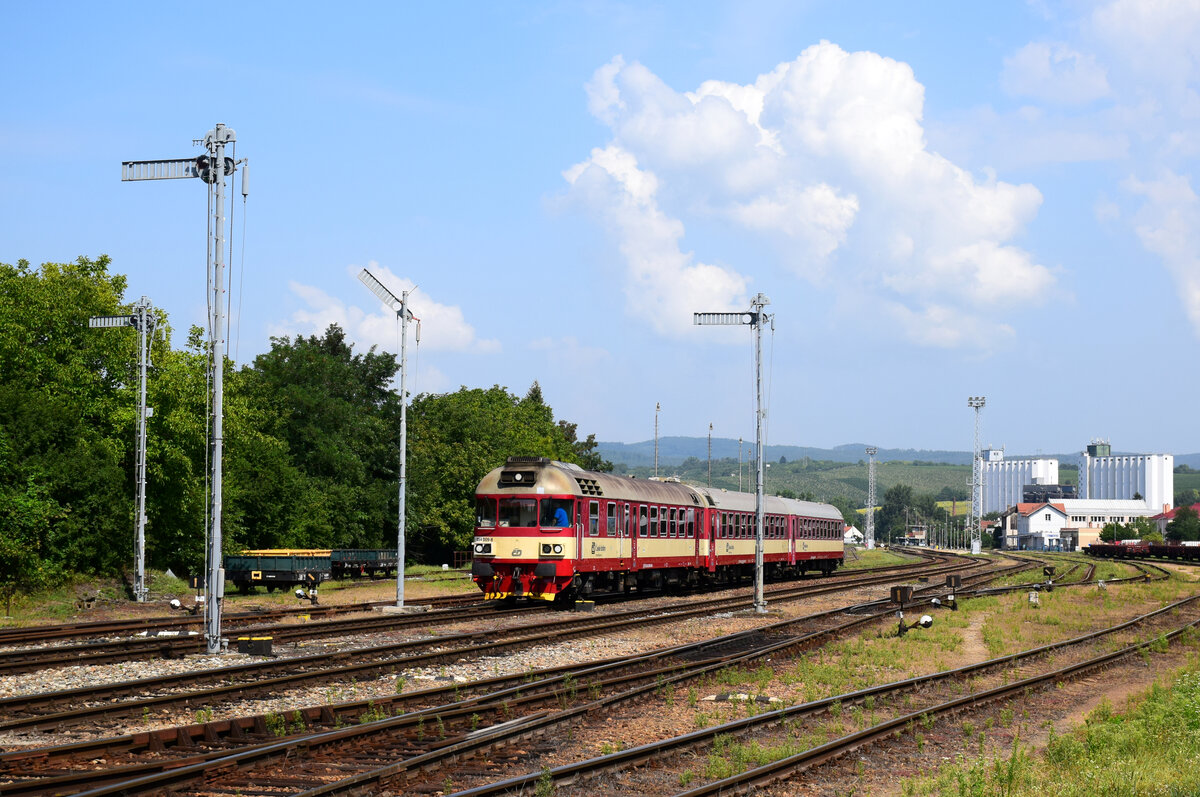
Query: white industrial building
(1004, 480)
(1104, 476)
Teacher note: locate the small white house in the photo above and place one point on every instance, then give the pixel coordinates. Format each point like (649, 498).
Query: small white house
(1039, 526)
(852, 536)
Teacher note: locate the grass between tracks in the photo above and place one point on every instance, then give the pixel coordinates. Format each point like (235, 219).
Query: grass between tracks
(983, 628)
(1147, 748)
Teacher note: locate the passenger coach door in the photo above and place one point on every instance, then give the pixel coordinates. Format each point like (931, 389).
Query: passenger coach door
(580, 521)
(623, 533)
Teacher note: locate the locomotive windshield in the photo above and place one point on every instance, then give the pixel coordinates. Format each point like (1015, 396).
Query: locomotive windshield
(556, 512)
(485, 512)
(519, 512)
(526, 512)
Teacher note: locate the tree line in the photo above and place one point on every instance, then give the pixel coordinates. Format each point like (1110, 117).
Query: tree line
(311, 440)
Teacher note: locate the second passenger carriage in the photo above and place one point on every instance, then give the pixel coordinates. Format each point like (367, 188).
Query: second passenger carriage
(552, 531)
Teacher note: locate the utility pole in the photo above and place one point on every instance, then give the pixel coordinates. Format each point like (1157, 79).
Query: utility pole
(739, 464)
(976, 403)
(870, 536)
(755, 318)
(212, 168)
(710, 456)
(404, 315)
(657, 409)
(142, 319)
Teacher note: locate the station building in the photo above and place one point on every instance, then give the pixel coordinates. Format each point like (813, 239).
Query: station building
(1066, 525)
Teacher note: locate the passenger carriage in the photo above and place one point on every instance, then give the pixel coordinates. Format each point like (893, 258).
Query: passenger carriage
(550, 530)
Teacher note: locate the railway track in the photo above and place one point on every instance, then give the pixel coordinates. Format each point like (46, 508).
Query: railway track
(928, 698)
(425, 724)
(172, 646)
(176, 644)
(147, 696)
(110, 628)
(429, 739)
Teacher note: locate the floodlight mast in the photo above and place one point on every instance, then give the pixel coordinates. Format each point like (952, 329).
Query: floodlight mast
(870, 536)
(755, 318)
(975, 525)
(400, 307)
(143, 319)
(212, 168)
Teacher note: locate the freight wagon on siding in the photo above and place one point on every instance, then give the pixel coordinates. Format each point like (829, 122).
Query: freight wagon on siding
(1188, 552)
(285, 567)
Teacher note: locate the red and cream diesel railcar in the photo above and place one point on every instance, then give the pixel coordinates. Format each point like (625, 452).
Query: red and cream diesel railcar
(552, 531)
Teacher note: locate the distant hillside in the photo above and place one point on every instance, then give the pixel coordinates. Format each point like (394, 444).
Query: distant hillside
(674, 450)
(827, 474)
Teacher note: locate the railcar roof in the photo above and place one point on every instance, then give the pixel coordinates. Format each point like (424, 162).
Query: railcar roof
(559, 478)
(744, 502)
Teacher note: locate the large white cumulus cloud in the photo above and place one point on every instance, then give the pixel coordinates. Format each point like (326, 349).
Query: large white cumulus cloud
(825, 158)
(443, 326)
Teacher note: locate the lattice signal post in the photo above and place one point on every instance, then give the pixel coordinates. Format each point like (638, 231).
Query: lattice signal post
(974, 525)
(404, 315)
(870, 535)
(212, 168)
(755, 317)
(142, 319)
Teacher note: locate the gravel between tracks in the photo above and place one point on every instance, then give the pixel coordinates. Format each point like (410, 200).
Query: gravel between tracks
(626, 643)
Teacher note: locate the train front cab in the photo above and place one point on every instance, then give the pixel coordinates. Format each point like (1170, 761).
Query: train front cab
(524, 546)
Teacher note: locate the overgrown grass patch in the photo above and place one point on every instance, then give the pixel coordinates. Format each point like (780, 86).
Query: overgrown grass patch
(1148, 749)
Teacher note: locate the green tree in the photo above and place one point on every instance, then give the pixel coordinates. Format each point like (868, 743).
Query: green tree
(455, 439)
(890, 519)
(1185, 526)
(66, 416)
(1143, 529)
(313, 442)
(1111, 532)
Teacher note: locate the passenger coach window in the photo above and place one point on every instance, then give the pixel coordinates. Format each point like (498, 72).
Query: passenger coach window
(485, 512)
(518, 512)
(642, 521)
(612, 519)
(653, 521)
(691, 523)
(671, 515)
(593, 518)
(556, 512)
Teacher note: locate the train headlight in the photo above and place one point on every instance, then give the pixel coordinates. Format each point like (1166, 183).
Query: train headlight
(558, 549)
(545, 548)
(483, 547)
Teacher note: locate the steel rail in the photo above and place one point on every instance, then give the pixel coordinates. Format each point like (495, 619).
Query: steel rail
(575, 625)
(769, 773)
(622, 760)
(291, 749)
(32, 659)
(16, 635)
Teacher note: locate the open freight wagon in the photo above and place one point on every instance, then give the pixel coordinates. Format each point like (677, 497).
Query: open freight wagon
(283, 568)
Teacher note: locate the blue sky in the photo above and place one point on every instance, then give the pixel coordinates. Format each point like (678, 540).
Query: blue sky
(939, 200)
